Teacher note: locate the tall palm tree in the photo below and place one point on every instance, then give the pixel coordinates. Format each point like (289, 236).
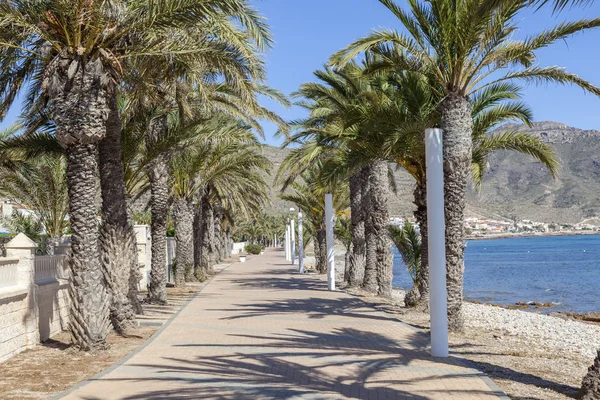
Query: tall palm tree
(461, 47)
(308, 193)
(70, 57)
(413, 108)
(232, 184)
(222, 151)
(341, 129)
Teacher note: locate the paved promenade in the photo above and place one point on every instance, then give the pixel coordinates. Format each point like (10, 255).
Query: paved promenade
(258, 330)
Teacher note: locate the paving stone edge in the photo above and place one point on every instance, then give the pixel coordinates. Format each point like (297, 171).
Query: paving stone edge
(140, 347)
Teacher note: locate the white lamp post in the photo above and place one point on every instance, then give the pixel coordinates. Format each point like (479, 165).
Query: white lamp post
(329, 239)
(287, 242)
(300, 244)
(438, 303)
(293, 236)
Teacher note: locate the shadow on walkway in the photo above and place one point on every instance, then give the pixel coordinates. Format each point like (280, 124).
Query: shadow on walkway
(294, 365)
(313, 307)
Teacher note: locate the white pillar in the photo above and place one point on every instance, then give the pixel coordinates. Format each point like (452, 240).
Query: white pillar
(438, 303)
(293, 247)
(288, 255)
(300, 245)
(329, 238)
(285, 242)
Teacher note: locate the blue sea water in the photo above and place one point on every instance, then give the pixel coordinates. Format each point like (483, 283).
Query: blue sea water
(564, 270)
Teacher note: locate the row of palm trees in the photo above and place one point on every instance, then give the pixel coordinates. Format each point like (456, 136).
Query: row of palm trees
(145, 97)
(263, 229)
(454, 65)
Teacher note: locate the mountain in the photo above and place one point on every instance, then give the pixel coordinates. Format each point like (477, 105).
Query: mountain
(517, 186)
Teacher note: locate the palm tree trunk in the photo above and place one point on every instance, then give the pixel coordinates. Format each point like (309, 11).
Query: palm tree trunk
(229, 244)
(378, 227)
(357, 259)
(317, 249)
(322, 248)
(590, 388)
(370, 279)
(457, 124)
(183, 218)
(90, 301)
(118, 243)
(158, 174)
(420, 200)
(208, 233)
(216, 253)
(198, 240)
(347, 264)
(79, 110)
(223, 254)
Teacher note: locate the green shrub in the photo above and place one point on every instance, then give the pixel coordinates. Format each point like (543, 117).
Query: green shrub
(253, 248)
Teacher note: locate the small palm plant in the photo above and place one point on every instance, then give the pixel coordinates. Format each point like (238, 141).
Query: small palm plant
(28, 224)
(343, 233)
(409, 245)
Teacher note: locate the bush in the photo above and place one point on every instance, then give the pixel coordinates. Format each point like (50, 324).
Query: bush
(253, 248)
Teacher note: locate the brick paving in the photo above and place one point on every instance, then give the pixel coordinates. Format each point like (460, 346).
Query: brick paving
(259, 330)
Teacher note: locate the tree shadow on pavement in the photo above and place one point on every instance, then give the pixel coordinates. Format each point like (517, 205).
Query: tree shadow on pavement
(304, 364)
(313, 308)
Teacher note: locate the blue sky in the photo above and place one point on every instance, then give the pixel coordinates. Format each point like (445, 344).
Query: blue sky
(307, 32)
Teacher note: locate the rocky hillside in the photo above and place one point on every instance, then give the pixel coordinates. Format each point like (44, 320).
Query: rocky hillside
(515, 185)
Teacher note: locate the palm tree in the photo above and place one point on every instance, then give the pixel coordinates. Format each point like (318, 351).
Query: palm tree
(343, 233)
(462, 47)
(342, 131)
(408, 242)
(70, 56)
(40, 184)
(308, 193)
(185, 107)
(231, 184)
(223, 158)
(404, 145)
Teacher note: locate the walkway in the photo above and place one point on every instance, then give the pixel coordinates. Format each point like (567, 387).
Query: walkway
(260, 331)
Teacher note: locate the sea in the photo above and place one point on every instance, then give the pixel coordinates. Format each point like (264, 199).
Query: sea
(563, 270)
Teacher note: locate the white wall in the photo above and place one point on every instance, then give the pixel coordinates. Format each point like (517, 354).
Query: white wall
(238, 247)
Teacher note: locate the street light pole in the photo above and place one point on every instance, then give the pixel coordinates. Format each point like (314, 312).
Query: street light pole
(287, 242)
(300, 244)
(329, 239)
(293, 241)
(438, 302)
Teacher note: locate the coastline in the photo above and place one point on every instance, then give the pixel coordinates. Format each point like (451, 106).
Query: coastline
(530, 234)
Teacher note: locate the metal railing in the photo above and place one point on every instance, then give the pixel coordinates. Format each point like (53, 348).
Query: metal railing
(9, 272)
(49, 268)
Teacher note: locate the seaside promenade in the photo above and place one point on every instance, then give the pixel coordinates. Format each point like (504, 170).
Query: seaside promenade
(259, 330)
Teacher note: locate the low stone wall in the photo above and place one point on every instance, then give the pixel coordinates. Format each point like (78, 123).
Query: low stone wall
(53, 308)
(19, 322)
(34, 294)
(18, 306)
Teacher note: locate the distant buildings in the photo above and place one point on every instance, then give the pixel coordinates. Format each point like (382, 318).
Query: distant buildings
(475, 226)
